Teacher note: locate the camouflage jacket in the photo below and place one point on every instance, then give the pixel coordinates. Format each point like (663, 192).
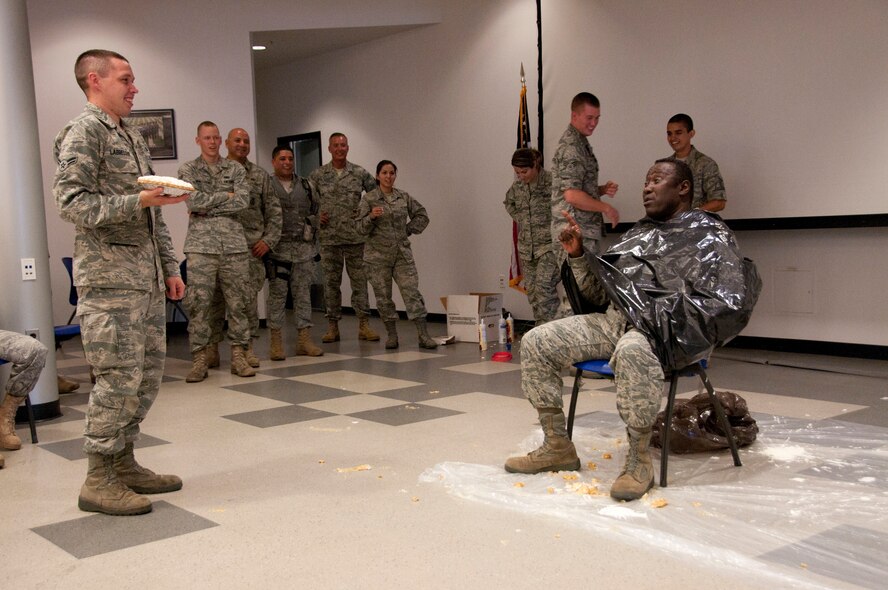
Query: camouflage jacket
(574, 166)
(388, 235)
(708, 183)
(262, 217)
(530, 205)
(117, 244)
(220, 194)
(338, 196)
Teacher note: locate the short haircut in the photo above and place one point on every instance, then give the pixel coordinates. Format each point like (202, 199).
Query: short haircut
(281, 148)
(203, 124)
(383, 163)
(683, 119)
(334, 134)
(94, 60)
(582, 99)
(683, 172)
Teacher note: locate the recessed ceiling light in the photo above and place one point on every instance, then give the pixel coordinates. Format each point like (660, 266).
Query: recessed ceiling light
(259, 48)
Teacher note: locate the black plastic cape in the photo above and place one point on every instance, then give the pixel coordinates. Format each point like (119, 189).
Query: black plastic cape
(682, 282)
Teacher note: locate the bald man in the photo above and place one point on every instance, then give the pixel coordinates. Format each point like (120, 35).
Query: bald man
(262, 229)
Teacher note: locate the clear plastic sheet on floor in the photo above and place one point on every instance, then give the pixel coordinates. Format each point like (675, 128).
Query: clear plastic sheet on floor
(809, 504)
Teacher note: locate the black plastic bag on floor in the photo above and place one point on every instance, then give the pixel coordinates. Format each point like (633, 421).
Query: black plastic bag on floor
(695, 425)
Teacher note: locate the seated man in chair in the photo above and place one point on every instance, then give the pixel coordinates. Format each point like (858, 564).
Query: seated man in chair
(677, 286)
(27, 356)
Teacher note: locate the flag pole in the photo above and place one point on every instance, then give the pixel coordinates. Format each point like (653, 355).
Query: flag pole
(539, 76)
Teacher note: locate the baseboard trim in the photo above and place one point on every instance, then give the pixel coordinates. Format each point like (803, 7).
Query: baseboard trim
(843, 349)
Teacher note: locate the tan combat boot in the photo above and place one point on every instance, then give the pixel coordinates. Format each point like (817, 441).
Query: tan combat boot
(139, 479)
(239, 364)
(66, 385)
(103, 492)
(332, 334)
(198, 367)
(557, 452)
(391, 329)
(304, 346)
(638, 473)
(422, 330)
(251, 357)
(213, 355)
(364, 331)
(276, 346)
(9, 440)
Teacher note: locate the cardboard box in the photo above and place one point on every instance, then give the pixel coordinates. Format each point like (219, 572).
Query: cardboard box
(466, 312)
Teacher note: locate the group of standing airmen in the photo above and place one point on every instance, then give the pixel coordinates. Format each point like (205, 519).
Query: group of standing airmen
(240, 217)
(125, 264)
(241, 221)
(537, 199)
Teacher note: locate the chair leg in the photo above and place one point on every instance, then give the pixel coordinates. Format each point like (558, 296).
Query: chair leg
(573, 404)
(667, 429)
(720, 413)
(31, 423)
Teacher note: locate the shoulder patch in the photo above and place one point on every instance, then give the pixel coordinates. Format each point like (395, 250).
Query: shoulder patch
(63, 164)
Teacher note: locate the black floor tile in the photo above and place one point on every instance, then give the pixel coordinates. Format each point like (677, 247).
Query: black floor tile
(404, 414)
(848, 553)
(293, 392)
(279, 416)
(99, 533)
(72, 449)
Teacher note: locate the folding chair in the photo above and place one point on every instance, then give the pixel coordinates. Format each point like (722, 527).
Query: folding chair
(601, 367)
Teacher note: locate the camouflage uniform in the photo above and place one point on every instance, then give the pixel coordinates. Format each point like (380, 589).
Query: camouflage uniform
(574, 166)
(708, 183)
(387, 253)
(531, 208)
(122, 255)
(547, 349)
(339, 193)
(27, 356)
(261, 221)
(216, 249)
(299, 208)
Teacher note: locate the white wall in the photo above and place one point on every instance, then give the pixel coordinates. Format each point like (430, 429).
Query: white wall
(193, 57)
(441, 101)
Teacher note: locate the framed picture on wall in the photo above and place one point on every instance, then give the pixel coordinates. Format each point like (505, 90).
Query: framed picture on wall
(158, 127)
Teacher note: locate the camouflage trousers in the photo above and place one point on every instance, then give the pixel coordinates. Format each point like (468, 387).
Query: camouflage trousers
(217, 307)
(27, 356)
(230, 273)
(124, 338)
(541, 277)
(546, 350)
(333, 257)
(403, 273)
(300, 254)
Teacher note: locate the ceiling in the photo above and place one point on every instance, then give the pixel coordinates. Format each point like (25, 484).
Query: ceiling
(285, 47)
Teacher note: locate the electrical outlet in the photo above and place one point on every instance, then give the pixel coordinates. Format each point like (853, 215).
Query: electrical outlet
(33, 333)
(29, 271)
(502, 282)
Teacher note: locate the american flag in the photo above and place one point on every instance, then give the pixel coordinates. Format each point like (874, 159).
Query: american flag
(516, 278)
